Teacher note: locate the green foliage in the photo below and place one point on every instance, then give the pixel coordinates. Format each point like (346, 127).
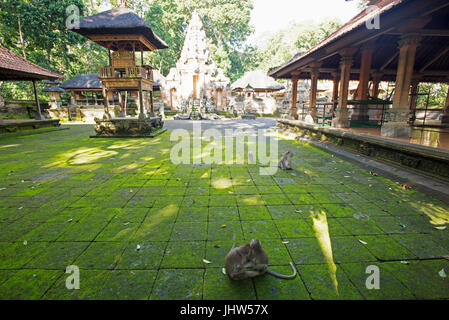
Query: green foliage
(281, 46)
(437, 97)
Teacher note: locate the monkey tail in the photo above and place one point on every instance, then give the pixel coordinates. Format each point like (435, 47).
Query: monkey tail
(281, 276)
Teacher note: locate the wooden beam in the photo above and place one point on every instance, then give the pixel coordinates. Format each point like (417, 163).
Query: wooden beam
(387, 63)
(432, 61)
(425, 33)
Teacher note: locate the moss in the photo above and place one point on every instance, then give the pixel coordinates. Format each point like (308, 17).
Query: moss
(178, 284)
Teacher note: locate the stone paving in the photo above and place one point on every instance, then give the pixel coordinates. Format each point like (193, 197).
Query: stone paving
(66, 200)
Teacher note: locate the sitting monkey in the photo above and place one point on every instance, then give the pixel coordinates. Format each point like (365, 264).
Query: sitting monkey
(285, 161)
(250, 260)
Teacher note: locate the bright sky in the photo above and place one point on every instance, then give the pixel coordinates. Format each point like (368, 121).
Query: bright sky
(269, 15)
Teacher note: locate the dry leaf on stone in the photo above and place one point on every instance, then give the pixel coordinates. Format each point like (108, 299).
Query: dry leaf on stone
(223, 270)
(206, 261)
(442, 273)
(216, 246)
(404, 262)
(138, 247)
(223, 226)
(440, 228)
(363, 242)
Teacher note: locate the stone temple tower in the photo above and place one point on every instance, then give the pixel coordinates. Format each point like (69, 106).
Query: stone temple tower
(196, 76)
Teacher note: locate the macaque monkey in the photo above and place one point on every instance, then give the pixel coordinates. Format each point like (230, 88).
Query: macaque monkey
(250, 260)
(285, 162)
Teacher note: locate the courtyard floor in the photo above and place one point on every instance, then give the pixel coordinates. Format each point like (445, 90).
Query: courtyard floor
(140, 227)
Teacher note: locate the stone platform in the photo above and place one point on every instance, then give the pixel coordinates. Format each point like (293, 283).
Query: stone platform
(128, 127)
(16, 126)
(423, 159)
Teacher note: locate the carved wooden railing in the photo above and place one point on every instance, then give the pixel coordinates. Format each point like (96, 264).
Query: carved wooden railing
(108, 72)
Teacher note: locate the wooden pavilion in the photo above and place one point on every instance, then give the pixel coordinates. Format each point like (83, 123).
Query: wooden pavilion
(406, 41)
(123, 33)
(16, 68)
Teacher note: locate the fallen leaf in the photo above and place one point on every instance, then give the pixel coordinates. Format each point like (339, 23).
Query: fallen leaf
(223, 226)
(216, 246)
(206, 261)
(223, 270)
(126, 223)
(131, 190)
(70, 220)
(298, 211)
(25, 242)
(404, 262)
(363, 242)
(442, 273)
(403, 225)
(285, 242)
(138, 247)
(440, 228)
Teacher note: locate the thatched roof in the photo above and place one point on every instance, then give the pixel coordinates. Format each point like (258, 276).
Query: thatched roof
(53, 89)
(16, 68)
(257, 80)
(83, 81)
(118, 21)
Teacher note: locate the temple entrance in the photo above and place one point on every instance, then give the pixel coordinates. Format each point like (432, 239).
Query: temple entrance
(195, 86)
(172, 98)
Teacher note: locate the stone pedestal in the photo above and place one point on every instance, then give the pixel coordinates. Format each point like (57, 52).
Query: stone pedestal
(341, 119)
(396, 124)
(123, 127)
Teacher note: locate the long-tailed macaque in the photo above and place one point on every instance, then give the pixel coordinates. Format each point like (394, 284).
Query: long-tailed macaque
(285, 161)
(250, 260)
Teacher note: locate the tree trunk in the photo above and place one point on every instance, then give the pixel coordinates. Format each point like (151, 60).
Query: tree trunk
(21, 36)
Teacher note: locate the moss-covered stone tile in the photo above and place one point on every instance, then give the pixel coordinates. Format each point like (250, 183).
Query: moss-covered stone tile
(385, 247)
(305, 251)
(117, 231)
(339, 210)
(178, 284)
(358, 227)
(390, 288)
(272, 288)
(350, 249)
(185, 254)
(14, 255)
(218, 230)
(189, 231)
(91, 285)
(128, 285)
(294, 228)
(421, 245)
(193, 214)
(254, 213)
(223, 213)
(302, 198)
(153, 230)
(421, 278)
(218, 286)
(260, 230)
(100, 255)
(142, 255)
(13, 231)
(57, 255)
(28, 284)
(324, 284)
(49, 231)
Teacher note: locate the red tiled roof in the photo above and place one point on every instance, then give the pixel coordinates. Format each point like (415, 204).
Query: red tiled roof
(359, 20)
(14, 67)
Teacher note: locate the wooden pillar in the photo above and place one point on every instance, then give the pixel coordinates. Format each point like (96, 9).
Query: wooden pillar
(336, 81)
(407, 53)
(342, 116)
(141, 108)
(294, 111)
(377, 78)
(151, 104)
(141, 57)
(106, 115)
(314, 73)
(365, 71)
(39, 115)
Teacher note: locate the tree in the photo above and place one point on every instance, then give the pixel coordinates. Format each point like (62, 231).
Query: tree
(226, 23)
